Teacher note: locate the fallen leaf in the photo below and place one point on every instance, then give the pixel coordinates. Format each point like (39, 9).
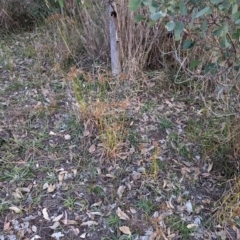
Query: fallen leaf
(76, 231)
(110, 175)
(189, 207)
(35, 237)
(6, 225)
(18, 195)
(95, 213)
(61, 176)
(74, 172)
(15, 209)
(132, 210)
(136, 175)
(210, 166)
(192, 225)
(120, 191)
(69, 222)
(89, 223)
(92, 149)
(58, 218)
(222, 234)
(83, 235)
(125, 230)
(45, 186)
(34, 228)
(45, 214)
(65, 218)
(96, 204)
(51, 188)
(122, 215)
(67, 137)
(55, 225)
(22, 189)
(57, 235)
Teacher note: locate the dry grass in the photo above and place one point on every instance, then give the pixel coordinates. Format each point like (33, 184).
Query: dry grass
(102, 114)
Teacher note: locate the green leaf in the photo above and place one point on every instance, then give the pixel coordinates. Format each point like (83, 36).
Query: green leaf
(238, 21)
(221, 31)
(224, 6)
(194, 64)
(139, 18)
(134, 4)
(236, 34)
(193, 17)
(157, 15)
(203, 11)
(212, 68)
(234, 8)
(204, 26)
(170, 26)
(61, 4)
(178, 30)
(188, 44)
(224, 43)
(154, 7)
(146, 2)
(236, 16)
(183, 9)
(151, 23)
(216, 1)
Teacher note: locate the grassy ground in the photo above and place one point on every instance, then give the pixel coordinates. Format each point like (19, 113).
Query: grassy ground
(83, 155)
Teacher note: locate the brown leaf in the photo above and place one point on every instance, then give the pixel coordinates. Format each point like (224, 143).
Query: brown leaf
(45, 214)
(120, 191)
(51, 188)
(58, 218)
(92, 149)
(6, 225)
(55, 225)
(89, 223)
(69, 222)
(15, 209)
(122, 215)
(125, 230)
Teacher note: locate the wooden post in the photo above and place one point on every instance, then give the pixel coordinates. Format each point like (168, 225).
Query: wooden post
(114, 41)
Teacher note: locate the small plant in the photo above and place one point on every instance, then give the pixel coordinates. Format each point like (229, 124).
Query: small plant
(134, 138)
(3, 207)
(69, 203)
(165, 123)
(51, 177)
(98, 190)
(17, 175)
(177, 224)
(146, 205)
(154, 167)
(113, 221)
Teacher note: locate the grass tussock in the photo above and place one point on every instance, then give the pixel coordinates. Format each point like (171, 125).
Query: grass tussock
(102, 114)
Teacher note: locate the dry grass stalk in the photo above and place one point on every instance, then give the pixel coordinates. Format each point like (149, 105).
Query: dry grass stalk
(137, 40)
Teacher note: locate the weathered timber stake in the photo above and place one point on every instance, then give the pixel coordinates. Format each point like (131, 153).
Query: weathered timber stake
(114, 41)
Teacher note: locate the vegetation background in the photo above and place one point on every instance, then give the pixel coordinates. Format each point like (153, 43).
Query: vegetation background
(150, 154)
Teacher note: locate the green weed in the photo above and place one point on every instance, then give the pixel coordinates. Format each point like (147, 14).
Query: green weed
(177, 224)
(18, 175)
(69, 203)
(114, 221)
(97, 190)
(165, 123)
(146, 206)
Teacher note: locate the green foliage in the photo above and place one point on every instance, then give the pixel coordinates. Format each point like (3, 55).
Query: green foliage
(146, 206)
(212, 25)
